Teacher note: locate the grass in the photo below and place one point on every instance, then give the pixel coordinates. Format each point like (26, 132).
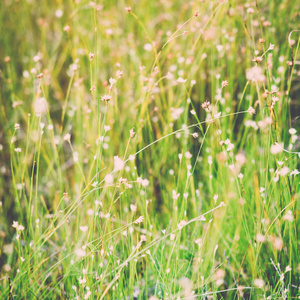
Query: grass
(161, 183)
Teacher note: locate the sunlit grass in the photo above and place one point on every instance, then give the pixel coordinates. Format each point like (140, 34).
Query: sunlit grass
(149, 150)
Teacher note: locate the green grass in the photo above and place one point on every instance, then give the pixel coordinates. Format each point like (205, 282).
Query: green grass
(219, 205)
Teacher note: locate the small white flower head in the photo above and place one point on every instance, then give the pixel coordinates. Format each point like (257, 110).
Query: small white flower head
(181, 224)
(40, 106)
(133, 207)
(271, 47)
(283, 172)
(251, 110)
(181, 80)
(240, 176)
(180, 156)
(81, 281)
(17, 126)
(255, 74)
(67, 137)
(105, 97)
(83, 228)
(59, 13)
(216, 196)
(148, 47)
(175, 195)
(276, 148)
(118, 164)
(259, 283)
(139, 220)
(18, 226)
(292, 131)
(80, 252)
(188, 155)
(91, 56)
(107, 128)
(295, 172)
(132, 133)
(109, 179)
(172, 236)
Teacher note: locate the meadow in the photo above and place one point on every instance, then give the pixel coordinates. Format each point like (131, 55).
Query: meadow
(149, 149)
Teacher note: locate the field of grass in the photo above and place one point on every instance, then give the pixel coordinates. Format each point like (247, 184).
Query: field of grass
(149, 149)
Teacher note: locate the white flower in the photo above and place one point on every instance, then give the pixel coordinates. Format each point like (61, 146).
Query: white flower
(292, 131)
(181, 80)
(82, 280)
(80, 252)
(295, 172)
(139, 220)
(40, 106)
(83, 228)
(283, 172)
(276, 148)
(109, 179)
(259, 283)
(188, 155)
(181, 224)
(172, 236)
(175, 195)
(175, 114)
(251, 110)
(67, 137)
(240, 176)
(255, 74)
(118, 164)
(148, 47)
(133, 207)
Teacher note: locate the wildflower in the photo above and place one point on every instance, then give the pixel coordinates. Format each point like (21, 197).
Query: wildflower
(128, 9)
(205, 104)
(196, 14)
(40, 106)
(255, 74)
(172, 236)
(119, 73)
(17, 126)
(240, 176)
(271, 47)
(276, 148)
(139, 220)
(67, 137)
(295, 172)
(181, 224)
(83, 228)
(132, 133)
(93, 88)
(105, 97)
(283, 172)
(175, 195)
(133, 207)
(39, 76)
(59, 13)
(91, 56)
(188, 155)
(109, 179)
(260, 283)
(292, 131)
(251, 110)
(80, 252)
(18, 226)
(181, 80)
(67, 28)
(148, 47)
(224, 83)
(257, 59)
(118, 164)
(107, 128)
